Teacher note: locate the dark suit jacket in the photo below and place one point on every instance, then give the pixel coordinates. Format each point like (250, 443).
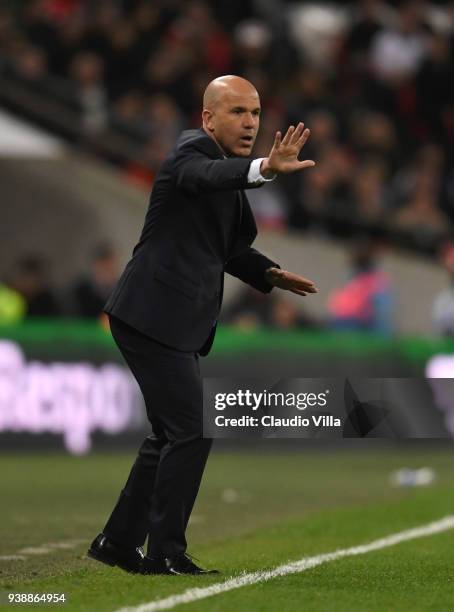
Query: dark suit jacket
(198, 225)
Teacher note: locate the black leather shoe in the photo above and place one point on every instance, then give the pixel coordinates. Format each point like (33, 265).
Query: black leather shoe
(183, 564)
(103, 549)
(152, 565)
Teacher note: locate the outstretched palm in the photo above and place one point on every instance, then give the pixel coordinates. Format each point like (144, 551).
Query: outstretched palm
(290, 282)
(283, 157)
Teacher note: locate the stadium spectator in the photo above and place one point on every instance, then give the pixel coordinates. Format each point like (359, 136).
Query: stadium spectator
(364, 301)
(285, 315)
(397, 51)
(369, 192)
(89, 293)
(443, 306)
(435, 88)
(31, 63)
(65, 39)
(164, 120)
(30, 280)
(91, 98)
(252, 47)
(373, 134)
(420, 212)
(369, 17)
(12, 306)
(128, 113)
(250, 310)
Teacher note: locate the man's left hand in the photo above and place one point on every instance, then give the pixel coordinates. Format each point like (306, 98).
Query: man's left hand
(290, 281)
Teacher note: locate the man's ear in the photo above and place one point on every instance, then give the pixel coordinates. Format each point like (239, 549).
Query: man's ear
(207, 117)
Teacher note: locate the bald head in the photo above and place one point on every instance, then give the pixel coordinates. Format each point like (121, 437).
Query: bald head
(231, 109)
(225, 86)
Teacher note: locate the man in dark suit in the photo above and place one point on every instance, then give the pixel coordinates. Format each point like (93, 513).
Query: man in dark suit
(164, 309)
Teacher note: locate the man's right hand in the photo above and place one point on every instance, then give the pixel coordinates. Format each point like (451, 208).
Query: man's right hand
(283, 157)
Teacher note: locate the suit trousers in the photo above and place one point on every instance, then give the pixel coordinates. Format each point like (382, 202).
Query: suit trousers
(162, 486)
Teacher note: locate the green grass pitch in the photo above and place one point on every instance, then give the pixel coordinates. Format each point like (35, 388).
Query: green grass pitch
(255, 511)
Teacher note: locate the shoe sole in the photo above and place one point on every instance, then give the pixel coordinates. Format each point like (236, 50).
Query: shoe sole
(148, 573)
(207, 573)
(101, 559)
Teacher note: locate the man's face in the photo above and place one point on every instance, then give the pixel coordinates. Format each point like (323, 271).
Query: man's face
(234, 122)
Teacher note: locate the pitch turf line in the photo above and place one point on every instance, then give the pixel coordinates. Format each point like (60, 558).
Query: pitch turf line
(291, 568)
(43, 549)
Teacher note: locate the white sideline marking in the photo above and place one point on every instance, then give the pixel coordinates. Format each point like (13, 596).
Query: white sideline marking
(64, 545)
(291, 568)
(35, 550)
(43, 549)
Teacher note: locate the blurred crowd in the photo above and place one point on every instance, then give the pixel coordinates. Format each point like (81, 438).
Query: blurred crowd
(363, 300)
(28, 292)
(373, 80)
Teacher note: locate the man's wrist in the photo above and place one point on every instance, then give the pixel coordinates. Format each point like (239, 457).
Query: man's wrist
(270, 273)
(265, 169)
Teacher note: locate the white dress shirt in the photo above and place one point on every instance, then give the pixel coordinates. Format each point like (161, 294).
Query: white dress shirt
(254, 175)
